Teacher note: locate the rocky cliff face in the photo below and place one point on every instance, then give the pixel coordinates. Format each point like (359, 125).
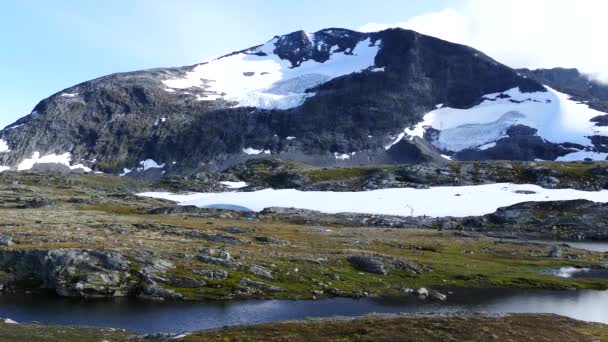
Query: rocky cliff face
(330, 98)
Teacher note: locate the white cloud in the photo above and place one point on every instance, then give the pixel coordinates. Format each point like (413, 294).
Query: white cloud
(523, 33)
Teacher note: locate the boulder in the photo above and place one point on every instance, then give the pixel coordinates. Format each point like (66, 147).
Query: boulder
(261, 272)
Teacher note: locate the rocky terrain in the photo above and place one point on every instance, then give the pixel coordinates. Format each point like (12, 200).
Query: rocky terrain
(282, 174)
(364, 92)
(85, 235)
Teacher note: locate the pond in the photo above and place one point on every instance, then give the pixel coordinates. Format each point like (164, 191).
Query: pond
(146, 317)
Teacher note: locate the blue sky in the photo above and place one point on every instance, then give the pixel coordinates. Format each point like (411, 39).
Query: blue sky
(50, 45)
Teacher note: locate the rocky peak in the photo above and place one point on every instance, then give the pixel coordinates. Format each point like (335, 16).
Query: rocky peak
(301, 46)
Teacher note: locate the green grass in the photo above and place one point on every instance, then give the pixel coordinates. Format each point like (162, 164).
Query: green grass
(334, 174)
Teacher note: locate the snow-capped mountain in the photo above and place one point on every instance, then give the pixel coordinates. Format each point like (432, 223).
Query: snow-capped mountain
(333, 97)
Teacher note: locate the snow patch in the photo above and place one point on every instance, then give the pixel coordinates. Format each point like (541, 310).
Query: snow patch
(125, 172)
(69, 95)
(457, 201)
(582, 155)
(290, 138)
(251, 151)
(4, 146)
(341, 156)
(569, 271)
(62, 159)
(556, 118)
(395, 141)
(486, 146)
(259, 78)
(234, 185)
(149, 164)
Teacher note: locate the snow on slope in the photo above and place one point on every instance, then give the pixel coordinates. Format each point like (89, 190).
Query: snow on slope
(63, 159)
(4, 146)
(457, 201)
(557, 119)
(267, 81)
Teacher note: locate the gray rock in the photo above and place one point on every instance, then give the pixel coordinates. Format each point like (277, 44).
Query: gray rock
(370, 264)
(218, 261)
(422, 292)
(271, 240)
(153, 291)
(70, 272)
(555, 252)
(260, 285)
(437, 296)
(261, 272)
(212, 274)
(6, 240)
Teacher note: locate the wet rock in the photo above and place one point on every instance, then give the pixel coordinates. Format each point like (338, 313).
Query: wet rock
(153, 291)
(437, 296)
(422, 292)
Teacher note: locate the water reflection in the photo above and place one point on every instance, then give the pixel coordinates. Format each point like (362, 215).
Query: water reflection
(144, 316)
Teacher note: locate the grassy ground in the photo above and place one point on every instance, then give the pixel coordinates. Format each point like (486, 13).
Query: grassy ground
(93, 212)
(55, 333)
(524, 327)
(418, 328)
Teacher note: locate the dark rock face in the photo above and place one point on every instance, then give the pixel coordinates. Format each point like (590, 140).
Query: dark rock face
(116, 121)
(71, 273)
(383, 265)
(576, 219)
(521, 143)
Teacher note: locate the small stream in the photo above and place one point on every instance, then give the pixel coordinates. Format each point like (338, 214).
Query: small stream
(146, 317)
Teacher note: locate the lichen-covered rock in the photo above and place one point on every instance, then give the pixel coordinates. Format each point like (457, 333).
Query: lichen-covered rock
(383, 265)
(261, 271)
(70, 272)
(211, 274)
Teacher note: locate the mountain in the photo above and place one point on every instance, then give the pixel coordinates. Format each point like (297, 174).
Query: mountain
(330, 98)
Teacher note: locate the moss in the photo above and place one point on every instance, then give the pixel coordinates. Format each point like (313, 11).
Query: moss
(335, 174)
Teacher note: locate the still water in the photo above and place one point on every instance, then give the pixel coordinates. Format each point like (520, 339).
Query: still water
(142, 316)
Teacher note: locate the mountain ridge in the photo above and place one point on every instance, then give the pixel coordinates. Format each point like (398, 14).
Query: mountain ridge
(347, 96)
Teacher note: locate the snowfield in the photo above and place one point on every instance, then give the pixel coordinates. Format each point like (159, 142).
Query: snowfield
(63, 159)
(456, 201)
(259, 78)
(4, 146)
(557, 119)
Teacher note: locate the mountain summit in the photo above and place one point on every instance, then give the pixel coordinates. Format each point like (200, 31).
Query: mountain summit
(329, 98)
